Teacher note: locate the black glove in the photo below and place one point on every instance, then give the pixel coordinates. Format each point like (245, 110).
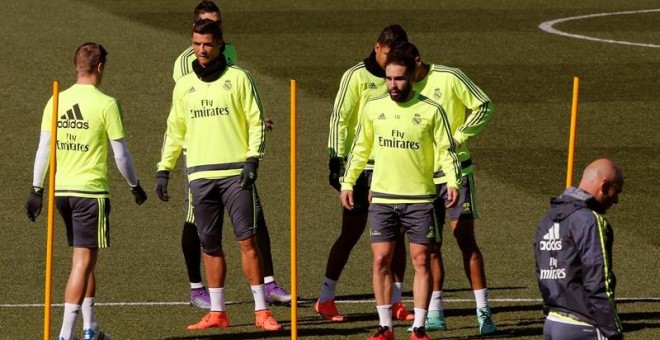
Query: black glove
(34, 203)
(336, 167)
(249, 173)
(162, 176)
(139, 194)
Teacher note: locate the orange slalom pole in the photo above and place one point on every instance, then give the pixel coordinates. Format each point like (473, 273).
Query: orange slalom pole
(51, 209)
(573, 132)
(294, 215)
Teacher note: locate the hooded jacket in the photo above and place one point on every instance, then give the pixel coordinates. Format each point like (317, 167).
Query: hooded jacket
(573, 251)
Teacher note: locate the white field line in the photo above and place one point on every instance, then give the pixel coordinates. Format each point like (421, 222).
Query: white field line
(300, 302)
(547, 26)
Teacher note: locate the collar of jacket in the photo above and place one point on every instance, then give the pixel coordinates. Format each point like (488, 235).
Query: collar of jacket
(372, 66)
(212, 71)
(583, 196)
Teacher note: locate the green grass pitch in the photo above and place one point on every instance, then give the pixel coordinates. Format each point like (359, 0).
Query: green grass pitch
(520, 159)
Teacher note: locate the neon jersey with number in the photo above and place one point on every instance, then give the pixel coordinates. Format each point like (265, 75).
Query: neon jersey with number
(403, 138)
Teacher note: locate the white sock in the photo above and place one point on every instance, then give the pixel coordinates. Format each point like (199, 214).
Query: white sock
(259, 297)
(71, 312)
(385, 315)
(269, 279)
(397, 288)
(420, 317)
(89, 317)
(481, 296)
(217, 299)
(196, 285)
(328, 290)
(436, 301)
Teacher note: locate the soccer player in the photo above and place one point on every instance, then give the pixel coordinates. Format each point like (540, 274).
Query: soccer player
(358, 84)
(573, 250)
(88, 119)
(199, 296)
(218, 112)
(403, 131)
(469, 110)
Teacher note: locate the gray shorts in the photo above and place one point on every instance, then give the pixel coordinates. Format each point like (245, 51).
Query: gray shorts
(190, 214)
(417, 219)
(87, 220)
(465, 209)
(210, 198)
(565, 329)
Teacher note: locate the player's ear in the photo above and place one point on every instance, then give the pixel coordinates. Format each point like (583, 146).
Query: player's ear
(605, 186)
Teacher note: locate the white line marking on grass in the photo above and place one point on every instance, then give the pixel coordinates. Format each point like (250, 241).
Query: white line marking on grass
(547, 26)
(300, 302)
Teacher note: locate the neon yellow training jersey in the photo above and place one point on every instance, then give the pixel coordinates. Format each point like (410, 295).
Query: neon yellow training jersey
(357, 86)
(403, 138)
(221, 123)
(183, 63)
(88, 120)
(468, 108)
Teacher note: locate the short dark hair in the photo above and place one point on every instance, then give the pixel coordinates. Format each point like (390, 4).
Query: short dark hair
(405, 47)
(205, 7)
(392, 34)
(88, 56)
(403, 58)
(208, 26)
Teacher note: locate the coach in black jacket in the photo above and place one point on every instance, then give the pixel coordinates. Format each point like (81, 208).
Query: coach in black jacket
(573, 250)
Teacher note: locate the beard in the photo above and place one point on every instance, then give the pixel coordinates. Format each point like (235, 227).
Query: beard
(402, 95)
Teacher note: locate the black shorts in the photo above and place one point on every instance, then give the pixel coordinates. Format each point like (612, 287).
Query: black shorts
(465, 208)
(210, 198)
(417, 219)
(87, 220)
(361, 194)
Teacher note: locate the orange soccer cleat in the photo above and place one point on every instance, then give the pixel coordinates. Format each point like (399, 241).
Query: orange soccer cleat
(328, 310)
(382, 333)
(210, 320)
(264, 320)
(400, 312)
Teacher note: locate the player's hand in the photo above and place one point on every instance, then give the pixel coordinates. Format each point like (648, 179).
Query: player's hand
(249, 173)
(370, 196)
(139, 194)
(336, 167)
(346, 198)
(34, 203)
(162, 177)
(269, 124)
(452, 197)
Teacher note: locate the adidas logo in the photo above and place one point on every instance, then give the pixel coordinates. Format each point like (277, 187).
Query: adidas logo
(73, 119)
(372, 86)
(381, 116)
(192, 89)
(551, 240)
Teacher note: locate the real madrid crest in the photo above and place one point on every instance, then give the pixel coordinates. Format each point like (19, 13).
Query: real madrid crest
(417, 118)
(227, 85)
(437, 94)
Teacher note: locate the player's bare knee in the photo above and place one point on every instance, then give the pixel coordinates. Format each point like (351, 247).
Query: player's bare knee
(382, 261)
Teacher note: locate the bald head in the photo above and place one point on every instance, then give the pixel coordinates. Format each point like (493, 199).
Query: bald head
(603, 180)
